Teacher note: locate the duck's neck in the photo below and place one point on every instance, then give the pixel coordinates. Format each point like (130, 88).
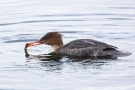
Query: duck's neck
(57, 45)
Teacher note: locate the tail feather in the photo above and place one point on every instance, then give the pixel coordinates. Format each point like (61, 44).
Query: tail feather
(117, 53)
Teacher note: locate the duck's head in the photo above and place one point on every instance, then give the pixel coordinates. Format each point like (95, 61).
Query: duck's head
(52, 38)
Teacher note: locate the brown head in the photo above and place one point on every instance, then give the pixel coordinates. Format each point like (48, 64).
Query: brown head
(52, 38)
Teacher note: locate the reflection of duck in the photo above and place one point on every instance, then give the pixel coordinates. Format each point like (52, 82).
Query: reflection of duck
(79, 47)
(44, 57)
(54, 62)
(57, 57)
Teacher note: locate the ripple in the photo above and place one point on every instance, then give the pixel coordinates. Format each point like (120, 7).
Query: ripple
(17, 41)
(122, 7)
(37, 21)
(108, 24)
(63, 15)
(20, 38)
(119, 18)
(71, 32)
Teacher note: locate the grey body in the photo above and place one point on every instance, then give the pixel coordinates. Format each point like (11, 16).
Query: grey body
(89, 47)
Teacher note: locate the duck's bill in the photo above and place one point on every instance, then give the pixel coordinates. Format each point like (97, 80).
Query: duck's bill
(33, 44)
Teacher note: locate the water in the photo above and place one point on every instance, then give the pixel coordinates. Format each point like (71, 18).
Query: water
(22, 21)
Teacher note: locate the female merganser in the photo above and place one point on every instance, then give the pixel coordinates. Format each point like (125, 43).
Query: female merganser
(79, 47)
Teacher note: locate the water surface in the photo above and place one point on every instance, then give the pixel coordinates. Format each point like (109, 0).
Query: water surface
(22, 21)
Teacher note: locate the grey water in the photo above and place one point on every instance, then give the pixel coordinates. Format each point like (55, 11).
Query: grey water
(23, 21)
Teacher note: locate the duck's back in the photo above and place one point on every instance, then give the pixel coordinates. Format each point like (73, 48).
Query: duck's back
(89, 47)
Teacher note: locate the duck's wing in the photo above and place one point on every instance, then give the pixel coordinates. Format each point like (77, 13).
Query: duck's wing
(85, 43)
(85, 47)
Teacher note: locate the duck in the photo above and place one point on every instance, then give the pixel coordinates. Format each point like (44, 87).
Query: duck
(78, 47)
